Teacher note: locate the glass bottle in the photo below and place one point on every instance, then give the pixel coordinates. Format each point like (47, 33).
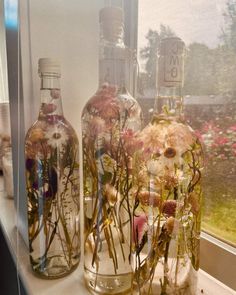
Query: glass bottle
(167, 192)
(110, 121)
(52, 182)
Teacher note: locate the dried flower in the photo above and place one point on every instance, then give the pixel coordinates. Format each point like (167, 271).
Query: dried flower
(56, 136)
(139, 223)
(131, 141)
(55, 93)
(36, 135)
(147, 198)
(169, 207)
(194, 202)
(172, 225)
(29, 164)
(155, 167)
(170, 153)
(111, 194)
(152, 138)
(170, 181)
(96, 126)
(50, 188)
(54, 119)
(180, 137)
(104, 103)
(48, 108)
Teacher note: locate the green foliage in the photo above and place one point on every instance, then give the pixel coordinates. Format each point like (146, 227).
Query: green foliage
(207, 71)
(229, 33)
(200, 68)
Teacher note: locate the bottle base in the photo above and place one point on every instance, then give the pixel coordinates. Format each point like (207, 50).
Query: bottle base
(108, 284)
(54, 267)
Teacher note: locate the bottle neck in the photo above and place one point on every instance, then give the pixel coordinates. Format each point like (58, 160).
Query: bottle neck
(112, 33)
(50, 95)
(114, 56)
(169, 103)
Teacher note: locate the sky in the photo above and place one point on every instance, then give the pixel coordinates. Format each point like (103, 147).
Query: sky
(192, 20)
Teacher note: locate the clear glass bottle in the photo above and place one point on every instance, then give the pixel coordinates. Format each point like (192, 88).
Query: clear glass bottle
(52, 182)
(110, 120)
(167, 191)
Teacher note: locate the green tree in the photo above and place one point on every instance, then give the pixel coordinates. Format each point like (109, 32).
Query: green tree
(149, 52)
(200, 70)
(226, 53)
(229, 33)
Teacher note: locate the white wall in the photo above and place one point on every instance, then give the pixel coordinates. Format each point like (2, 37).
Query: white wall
(69, 31)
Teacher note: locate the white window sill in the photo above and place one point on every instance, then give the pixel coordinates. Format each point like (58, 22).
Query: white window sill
(72, 284)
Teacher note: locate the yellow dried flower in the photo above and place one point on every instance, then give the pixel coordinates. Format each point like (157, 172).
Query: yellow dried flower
(111, 194)
(36, 135)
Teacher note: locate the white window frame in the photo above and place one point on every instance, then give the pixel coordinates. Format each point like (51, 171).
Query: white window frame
(217, 258)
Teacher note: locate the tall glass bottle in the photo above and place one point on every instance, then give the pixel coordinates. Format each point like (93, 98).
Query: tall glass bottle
(167, 192)
(52, 182)
(110, 120)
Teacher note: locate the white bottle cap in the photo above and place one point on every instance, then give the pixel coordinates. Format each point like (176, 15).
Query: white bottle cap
(49, 66)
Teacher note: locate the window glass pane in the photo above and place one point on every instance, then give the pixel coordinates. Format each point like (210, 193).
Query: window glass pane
(208, 29)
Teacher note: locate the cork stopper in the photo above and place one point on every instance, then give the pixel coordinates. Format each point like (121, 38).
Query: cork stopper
(112, 25)
(172, 45)
(111, 14)
(49, 66)
(171, 63)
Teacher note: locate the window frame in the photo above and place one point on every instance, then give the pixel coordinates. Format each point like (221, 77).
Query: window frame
(217, 258)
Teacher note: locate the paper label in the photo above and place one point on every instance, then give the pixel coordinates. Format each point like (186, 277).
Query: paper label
(171, 65)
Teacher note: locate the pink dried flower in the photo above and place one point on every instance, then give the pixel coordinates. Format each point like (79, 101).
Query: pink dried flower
(127, 135)
(104, 101)
(55, 93)
(131, 141)
(96, 125)
(48, 108)
(139, 223)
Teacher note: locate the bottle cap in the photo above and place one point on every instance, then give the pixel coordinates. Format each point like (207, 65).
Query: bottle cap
(49, 66)
(171, 62)
(111, 14)
(172, 45)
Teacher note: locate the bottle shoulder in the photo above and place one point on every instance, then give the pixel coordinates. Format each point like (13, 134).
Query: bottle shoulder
(109, 97)
(48, 126)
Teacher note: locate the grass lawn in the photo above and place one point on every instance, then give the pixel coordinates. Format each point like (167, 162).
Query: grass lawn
(219, 205)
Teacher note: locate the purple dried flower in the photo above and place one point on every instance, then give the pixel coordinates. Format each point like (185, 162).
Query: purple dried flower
(29, 164)
(169, 207)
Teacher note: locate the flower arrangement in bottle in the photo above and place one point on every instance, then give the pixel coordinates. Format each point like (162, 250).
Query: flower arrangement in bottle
(52, 183)
(167, 192)
(110, 121)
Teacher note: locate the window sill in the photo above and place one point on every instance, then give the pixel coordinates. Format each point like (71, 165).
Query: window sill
(72, 284)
